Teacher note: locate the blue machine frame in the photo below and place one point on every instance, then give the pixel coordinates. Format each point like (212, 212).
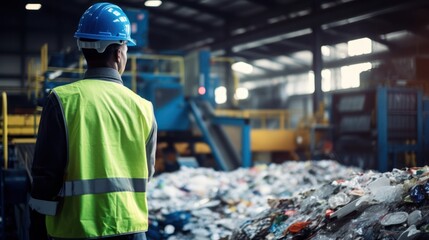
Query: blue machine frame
(246, 156)
(386, 108)
(225, 155)
(378, 128)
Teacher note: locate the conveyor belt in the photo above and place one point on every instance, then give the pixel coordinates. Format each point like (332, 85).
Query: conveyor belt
(222, 148)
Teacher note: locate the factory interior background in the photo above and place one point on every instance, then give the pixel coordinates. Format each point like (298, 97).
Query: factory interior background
(277, 119)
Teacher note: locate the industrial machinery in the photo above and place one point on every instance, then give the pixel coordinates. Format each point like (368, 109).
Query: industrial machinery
(379, 128)
(14, 177)
(272, 137)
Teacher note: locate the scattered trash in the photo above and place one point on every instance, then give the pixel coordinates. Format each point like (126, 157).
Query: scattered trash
(294, 200)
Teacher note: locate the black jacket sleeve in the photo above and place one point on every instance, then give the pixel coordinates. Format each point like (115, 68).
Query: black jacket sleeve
(151, 150)
(50, 156)
(49, 163)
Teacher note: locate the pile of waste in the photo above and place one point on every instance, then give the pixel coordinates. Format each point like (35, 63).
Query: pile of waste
(391, 205)
(295, 200)
(201, 203)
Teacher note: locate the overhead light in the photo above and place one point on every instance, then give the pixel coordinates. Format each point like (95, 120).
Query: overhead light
(241, 93)
(220, 95)
(33, 6)
(153, 3)
(242, 67)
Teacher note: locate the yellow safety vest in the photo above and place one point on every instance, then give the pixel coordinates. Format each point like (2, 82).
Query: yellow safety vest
(105, 182)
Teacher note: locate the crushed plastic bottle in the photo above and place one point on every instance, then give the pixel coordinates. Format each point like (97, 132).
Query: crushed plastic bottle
(339, 199)
(394, 218)
(418, 193)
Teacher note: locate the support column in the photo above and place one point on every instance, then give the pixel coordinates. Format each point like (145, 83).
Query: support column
(229, 79)
(317, 60)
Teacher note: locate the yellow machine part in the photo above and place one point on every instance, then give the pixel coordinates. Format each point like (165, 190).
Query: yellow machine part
(200, 147)
(272, 140)
(183, 148)
(264, 139)
(22, 125)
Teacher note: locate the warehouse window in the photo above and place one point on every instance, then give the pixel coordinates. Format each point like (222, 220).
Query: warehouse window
(350, 75)
(326, 51)
(242, 67)
(241, 93)
(359, 46)
(299, 84)
(326, 80)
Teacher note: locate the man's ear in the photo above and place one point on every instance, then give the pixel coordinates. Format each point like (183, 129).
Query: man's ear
(118, 55)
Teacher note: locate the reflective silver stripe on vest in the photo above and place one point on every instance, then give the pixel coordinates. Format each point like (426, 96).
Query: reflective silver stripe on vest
(43, 206)
(105, 185)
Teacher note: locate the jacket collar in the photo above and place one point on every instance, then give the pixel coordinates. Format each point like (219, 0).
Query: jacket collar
(104, 73)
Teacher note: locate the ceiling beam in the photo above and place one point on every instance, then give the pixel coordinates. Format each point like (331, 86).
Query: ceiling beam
(259, 54)
(256, 54)
(362, 9)
(167, 28)
(249, 55)
(261, 19)
(342, 34)
(269, 4)
(177, 18)
(161, 36)
(294, 44)
(203, 9)
(285, 10)
(298, 61)
(382, 56)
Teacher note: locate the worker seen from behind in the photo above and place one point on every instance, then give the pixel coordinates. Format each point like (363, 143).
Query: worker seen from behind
(95, 150)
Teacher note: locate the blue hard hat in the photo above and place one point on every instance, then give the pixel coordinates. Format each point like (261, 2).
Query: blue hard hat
(105, 22)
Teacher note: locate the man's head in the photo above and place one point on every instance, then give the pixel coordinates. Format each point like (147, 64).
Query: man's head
(114, 56)
(103, 35)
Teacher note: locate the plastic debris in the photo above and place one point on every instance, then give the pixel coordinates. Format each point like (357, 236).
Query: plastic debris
(418, 193)
(414, 217)
(340, 199)
(409, 234)
(394, 218)
(294, 200)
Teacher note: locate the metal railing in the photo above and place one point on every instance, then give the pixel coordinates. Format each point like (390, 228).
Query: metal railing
(263, 116)
(177, 63)
(36, 72)
(5, 133)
